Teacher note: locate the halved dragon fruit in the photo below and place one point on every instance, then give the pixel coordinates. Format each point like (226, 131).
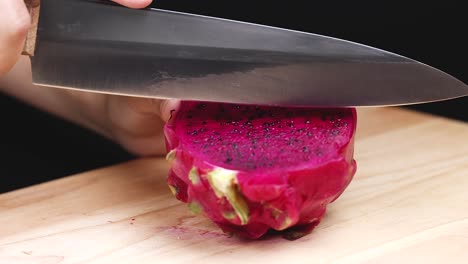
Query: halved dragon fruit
(255, 168)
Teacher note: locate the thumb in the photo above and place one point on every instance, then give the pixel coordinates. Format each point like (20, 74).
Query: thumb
(14, 24)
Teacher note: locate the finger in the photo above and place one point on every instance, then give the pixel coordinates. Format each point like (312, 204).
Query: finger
(137, 125)
(144, 146)
(14, 25)
(134, 3)
(135, 117)
(164, 109)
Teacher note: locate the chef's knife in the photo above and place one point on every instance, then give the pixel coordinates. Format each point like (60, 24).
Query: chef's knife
(97, 46)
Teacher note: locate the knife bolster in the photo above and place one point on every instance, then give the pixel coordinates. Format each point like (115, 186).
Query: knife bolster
(33, 7)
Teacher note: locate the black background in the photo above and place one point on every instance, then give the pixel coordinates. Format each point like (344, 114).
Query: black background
(36, 147)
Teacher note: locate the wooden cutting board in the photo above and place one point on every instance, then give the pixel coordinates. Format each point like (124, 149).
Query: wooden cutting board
(408, 203)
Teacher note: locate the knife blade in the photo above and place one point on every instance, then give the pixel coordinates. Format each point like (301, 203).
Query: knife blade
(101, 47)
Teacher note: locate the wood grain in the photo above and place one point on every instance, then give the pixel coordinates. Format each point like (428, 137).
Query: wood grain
(407, 204)
(33, 7)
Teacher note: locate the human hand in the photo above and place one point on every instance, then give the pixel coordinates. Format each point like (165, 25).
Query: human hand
(135, 123)
(14, 25)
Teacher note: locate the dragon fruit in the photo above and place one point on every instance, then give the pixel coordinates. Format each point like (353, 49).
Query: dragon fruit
(256, 168)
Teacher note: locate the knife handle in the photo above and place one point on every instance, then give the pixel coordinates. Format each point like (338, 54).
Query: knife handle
(33, 7)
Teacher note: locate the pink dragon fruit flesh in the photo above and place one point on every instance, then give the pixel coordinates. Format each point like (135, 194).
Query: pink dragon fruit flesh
(256, 168)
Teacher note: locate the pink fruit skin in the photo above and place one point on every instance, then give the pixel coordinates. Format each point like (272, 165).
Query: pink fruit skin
(278, 199)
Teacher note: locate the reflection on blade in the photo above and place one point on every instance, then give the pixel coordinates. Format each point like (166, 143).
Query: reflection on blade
(94, 46)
